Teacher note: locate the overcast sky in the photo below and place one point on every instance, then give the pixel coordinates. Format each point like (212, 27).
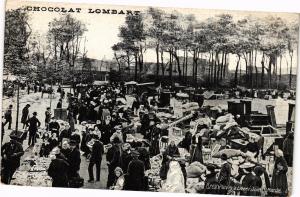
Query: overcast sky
(103, 29)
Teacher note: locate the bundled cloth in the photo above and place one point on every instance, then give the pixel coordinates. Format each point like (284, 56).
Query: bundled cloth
(203, 121)
(195, 187)
(190, 106)
(229, 153)
(218, 108)
(223, 120)
(195, 169)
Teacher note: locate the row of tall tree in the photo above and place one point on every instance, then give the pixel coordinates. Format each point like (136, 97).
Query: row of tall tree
(39, 56)
(260, 43)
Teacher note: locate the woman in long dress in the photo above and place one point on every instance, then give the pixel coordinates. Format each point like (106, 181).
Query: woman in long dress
(196, 149)
(279, 178)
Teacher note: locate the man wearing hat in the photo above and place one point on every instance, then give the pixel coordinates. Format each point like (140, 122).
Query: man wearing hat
(211, 182)
(58, 170)
(33, 124)
(59, 104)
(135, 178)
(8, 116)
(113, 158)
(11, 153)
(2, 129)
(225, 173)
(250, 180)
(54, 126)
(126, 156)
(74, 160)
(25, 113)
(96, 158)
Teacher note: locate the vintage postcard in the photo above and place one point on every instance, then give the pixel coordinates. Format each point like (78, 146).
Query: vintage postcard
(148, 99)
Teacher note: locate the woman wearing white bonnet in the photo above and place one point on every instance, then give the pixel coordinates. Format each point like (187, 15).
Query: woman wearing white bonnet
(279, 177)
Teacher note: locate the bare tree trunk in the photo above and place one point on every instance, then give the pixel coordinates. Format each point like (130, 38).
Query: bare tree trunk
(162, 62)
(262, 71)
(219, 69)
(118, 62)
(280, 64)
(178, 64)
(157, 61)
(291, 70)
(256, 70)
(186, 66)
(222, 64)
(128, 62)
(183, 64)
(225, 65)
(246, 64)
(270, 71)
(215, 71)
(196, 66)
(193, 63)
(136, 67)
(171, 66)
(251, 68)
(236, 71)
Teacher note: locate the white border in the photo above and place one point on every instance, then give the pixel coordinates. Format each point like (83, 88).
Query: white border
(249, 5)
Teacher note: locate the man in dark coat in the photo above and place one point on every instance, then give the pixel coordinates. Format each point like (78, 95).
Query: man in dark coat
(154, 139)
(59, 104)
(106, 129)
(250, 181)
(114, 159)
(76, 137)
(8, 116)
(33, 124)
(74, 161)
(145, 123)
(126, 157)
(54, 127)
(2, 130)
(211, 183)
(144, 155)
(225, 173)
(25, 113)
(96, 158)
(58, 171)
(288, 148)
(135, 179)
(86, 137)
(66, 133)
(11, 153)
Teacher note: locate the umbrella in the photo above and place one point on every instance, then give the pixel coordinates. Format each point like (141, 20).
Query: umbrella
(229, 152)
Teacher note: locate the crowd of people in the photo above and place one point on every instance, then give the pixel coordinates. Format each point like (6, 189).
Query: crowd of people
(101, 123)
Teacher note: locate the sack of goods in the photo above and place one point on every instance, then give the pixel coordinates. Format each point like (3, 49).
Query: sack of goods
(196, 169)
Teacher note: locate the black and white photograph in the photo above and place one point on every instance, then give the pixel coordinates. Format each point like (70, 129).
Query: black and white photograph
(151, 99)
